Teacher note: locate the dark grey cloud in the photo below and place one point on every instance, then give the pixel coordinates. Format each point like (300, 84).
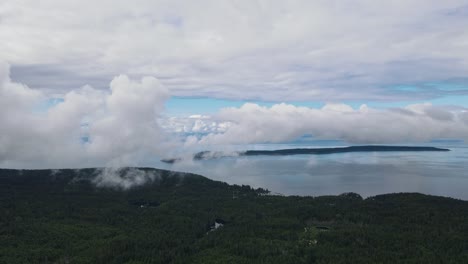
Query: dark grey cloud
(439, 114)
(56, 78)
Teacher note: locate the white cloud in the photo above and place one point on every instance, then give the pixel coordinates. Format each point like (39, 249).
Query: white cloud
(89, 128)
(270, 50)
(252, 123)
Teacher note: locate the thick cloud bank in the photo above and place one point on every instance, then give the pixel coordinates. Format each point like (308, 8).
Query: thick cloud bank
(124, 125)
(252, 123)
(87, 128)
(269, 50)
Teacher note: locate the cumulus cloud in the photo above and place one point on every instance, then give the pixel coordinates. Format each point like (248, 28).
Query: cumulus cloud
(252, 123)
(88, 127)
(268, 50)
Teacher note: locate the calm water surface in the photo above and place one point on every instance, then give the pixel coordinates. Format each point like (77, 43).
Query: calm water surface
(369, 173)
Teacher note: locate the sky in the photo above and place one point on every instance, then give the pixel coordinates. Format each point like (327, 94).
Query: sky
(93, 83)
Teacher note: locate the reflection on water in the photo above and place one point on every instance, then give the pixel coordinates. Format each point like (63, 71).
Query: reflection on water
(436, 173)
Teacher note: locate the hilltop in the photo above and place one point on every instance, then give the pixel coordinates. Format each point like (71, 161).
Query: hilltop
(145, 215)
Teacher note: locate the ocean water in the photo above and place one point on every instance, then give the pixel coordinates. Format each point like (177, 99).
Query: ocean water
(366, 173)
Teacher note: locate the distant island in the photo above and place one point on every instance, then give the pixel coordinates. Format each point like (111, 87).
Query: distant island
(204, 155)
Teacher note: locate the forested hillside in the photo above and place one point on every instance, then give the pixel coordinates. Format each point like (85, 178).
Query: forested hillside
(73, 216)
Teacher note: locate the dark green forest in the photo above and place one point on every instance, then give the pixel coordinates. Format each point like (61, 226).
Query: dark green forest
(62, 216)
